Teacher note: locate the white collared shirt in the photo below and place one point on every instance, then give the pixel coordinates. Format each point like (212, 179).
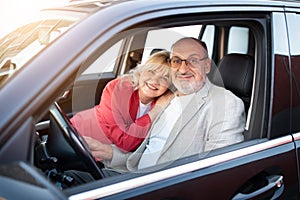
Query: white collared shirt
(143, 109)
(163, 127)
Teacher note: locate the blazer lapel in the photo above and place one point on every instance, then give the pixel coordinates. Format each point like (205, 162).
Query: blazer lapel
(188, 113)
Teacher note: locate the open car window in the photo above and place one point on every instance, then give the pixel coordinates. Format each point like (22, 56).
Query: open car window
(148, 39)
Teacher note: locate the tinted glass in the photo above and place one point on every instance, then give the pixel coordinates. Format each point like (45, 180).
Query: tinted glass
(281, 91)
(294, 32)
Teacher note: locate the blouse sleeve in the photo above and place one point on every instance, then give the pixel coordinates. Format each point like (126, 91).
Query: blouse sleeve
(114, 116)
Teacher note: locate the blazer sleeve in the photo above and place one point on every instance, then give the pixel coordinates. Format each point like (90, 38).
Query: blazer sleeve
(126, 161)
(113, 114)
(118, 161)
(228, 123)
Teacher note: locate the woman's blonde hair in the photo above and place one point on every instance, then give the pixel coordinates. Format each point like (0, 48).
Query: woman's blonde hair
(159, 60)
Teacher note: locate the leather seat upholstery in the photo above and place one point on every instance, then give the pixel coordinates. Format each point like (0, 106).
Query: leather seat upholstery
(235, 73)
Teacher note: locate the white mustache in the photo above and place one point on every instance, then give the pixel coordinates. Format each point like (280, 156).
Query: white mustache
(184, 74)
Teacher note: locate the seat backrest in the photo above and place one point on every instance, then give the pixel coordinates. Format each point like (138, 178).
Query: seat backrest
(235, 73)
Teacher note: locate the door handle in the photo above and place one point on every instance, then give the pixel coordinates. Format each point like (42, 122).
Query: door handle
(274, 182)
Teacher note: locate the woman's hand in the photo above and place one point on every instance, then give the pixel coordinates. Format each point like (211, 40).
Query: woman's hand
(98, 149)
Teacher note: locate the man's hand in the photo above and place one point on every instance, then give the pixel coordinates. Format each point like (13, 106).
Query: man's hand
(98, 149)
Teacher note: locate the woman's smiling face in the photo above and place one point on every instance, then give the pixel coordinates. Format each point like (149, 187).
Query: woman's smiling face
(153, 83)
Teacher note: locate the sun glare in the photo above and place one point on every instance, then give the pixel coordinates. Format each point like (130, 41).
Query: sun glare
(17, 12)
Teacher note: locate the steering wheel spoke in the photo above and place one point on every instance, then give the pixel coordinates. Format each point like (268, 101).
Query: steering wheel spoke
(66, 144)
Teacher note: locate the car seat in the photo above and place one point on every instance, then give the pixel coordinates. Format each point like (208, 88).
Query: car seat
(235, 73)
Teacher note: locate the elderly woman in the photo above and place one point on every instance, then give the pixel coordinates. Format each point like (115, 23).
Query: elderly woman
(128, 105)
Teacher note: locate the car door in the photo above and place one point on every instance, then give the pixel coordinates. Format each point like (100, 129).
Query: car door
(293, 17)
(265, 165)
(262, 167)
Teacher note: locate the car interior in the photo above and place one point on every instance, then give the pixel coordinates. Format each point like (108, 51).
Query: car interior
(235, 73)
(235, 47)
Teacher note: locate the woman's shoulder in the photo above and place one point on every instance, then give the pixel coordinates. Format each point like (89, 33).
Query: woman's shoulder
(123, 83)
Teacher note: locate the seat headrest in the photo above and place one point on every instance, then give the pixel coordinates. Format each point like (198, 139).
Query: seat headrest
(236, 71)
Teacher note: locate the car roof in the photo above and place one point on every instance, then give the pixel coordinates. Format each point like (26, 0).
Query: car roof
(86, 6)
(90, 6)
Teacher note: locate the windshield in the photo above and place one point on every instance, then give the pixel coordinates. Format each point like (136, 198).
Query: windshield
(25, 42)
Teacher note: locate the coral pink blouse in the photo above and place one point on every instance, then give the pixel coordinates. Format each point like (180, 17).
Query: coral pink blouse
(114, 120)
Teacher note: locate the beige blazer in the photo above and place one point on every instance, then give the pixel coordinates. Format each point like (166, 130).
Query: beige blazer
(214, 118)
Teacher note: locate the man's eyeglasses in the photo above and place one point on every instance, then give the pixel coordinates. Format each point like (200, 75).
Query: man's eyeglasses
(190, 62)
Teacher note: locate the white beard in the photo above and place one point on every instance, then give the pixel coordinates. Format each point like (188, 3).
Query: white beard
(185, 87)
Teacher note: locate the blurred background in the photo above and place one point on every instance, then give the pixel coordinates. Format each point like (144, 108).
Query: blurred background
(14, 13)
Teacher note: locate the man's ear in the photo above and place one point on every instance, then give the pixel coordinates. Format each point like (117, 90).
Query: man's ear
(207, 66)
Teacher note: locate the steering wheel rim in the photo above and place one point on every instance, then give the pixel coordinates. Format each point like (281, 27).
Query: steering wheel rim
(74, 139)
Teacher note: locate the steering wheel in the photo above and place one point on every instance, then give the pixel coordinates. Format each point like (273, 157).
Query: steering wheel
(67, 146)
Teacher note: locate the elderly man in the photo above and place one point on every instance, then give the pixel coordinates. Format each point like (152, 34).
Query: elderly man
(201, 117)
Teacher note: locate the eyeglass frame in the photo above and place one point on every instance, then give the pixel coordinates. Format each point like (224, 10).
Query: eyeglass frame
(187, 62)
